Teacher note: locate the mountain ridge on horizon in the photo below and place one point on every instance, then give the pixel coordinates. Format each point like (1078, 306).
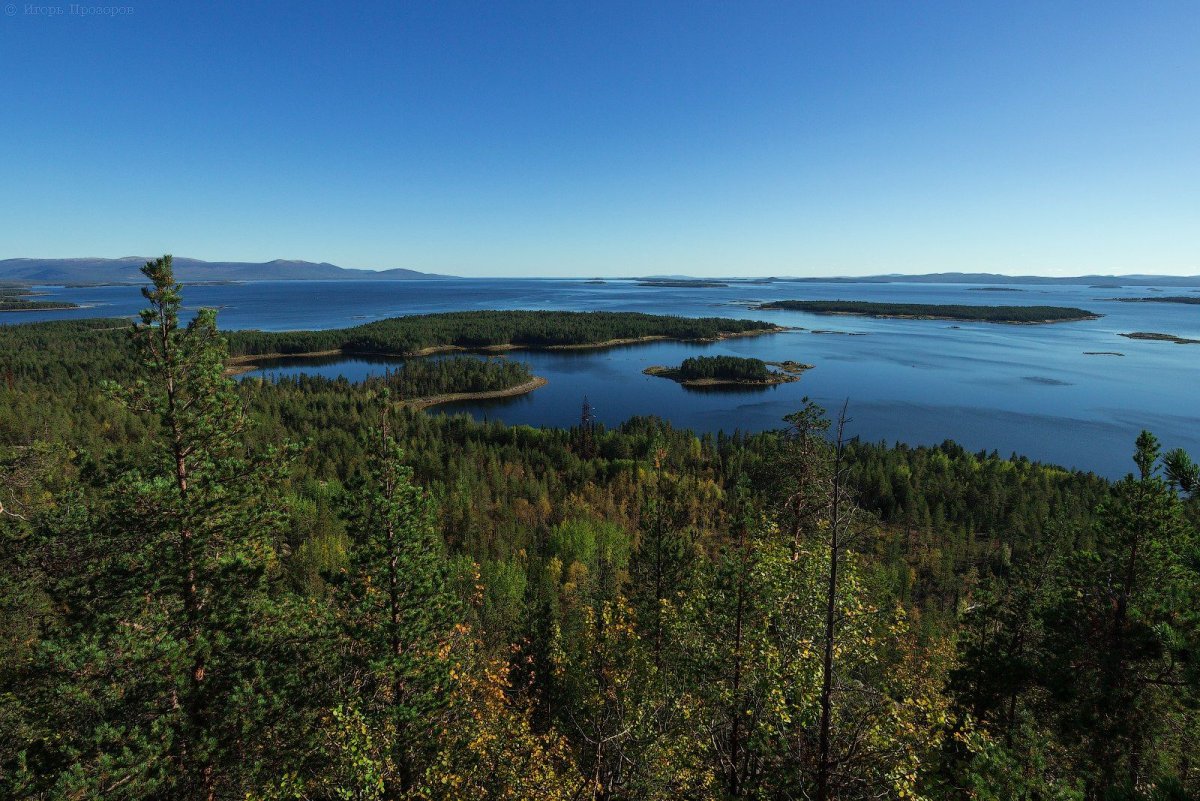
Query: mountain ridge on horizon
(124, 269)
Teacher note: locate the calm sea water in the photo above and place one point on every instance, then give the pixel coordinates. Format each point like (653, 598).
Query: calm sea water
(1017, 389)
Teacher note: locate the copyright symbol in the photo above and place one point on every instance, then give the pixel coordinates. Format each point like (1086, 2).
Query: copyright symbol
(10, 10)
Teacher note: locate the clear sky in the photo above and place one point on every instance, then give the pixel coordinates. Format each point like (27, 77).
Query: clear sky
(606, 137)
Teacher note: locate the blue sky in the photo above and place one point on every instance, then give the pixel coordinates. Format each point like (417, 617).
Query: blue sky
(609, 138)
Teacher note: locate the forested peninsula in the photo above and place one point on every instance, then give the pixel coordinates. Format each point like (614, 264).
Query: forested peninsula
(937, 311)
(302, 589)
(18, 298)
(422, 382)
(489, 330)
(20, 304)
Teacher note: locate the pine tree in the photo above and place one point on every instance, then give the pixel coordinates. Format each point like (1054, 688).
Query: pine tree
(161, 576)
(400, 619)
(1119, 633)
(662, 563)
(586, 446)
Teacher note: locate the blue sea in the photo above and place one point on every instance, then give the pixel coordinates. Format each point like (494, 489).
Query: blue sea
(1025, 389)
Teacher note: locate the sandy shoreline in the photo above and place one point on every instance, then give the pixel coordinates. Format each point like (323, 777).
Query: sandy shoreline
(433, 400)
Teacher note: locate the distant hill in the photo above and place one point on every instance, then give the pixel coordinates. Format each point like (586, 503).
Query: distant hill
(125, 270)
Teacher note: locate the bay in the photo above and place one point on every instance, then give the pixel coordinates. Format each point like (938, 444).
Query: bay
(1026, 389)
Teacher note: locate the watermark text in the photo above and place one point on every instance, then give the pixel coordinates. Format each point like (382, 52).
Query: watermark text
(68, 10)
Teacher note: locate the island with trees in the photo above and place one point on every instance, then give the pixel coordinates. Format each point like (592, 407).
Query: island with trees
(716, 371)
(1154, 336)
(1016, 315)
(1187, 300)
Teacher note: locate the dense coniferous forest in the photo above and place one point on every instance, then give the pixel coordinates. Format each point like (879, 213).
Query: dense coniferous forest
(302, 589)
(937, 311)
(9, 304)
(482, 329)
(418, 378)
(733, 368)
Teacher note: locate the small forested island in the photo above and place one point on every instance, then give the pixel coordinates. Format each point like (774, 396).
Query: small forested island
(1185, 299)
(994, 289)
(937, 311)
(489, 330)
(1157, 337)
(713, 371)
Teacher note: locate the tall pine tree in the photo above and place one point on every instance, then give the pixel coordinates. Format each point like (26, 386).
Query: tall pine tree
(400, 619)
(150, 672)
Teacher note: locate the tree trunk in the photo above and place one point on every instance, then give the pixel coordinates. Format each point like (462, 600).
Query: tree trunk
(735, 743)
(825, 767)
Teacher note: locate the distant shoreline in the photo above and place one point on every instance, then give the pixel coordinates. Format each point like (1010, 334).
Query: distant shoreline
(98, 271)
(1187, 300)
(1006, 315)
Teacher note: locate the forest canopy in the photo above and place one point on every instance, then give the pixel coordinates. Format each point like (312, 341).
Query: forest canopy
(299, 589)
(734, 368)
